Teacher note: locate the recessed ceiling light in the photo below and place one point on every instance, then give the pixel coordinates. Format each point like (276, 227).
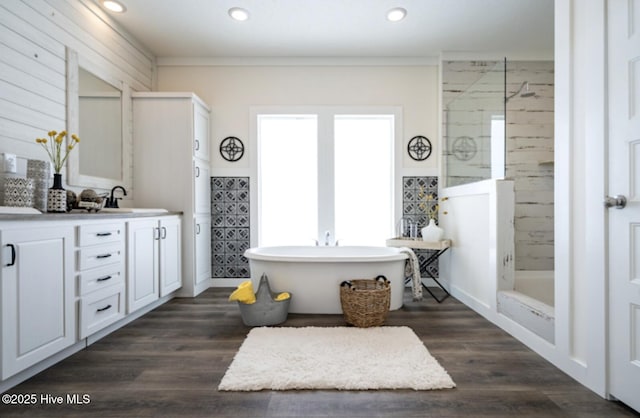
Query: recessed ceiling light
(238, 14)
(396, 14)
(114, 6)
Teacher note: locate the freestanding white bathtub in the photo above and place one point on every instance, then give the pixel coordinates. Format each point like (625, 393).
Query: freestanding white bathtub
(313, 274)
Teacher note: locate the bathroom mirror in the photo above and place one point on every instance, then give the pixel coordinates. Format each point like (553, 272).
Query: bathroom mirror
(100, 120)
(98, 106)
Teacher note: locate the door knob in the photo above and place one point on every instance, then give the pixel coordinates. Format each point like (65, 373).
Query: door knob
(618, 202)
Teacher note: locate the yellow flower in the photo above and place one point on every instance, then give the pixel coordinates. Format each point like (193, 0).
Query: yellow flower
(428, 203)
(55, 150)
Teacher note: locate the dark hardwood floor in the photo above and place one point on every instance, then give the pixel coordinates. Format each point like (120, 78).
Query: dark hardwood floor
(169, 363)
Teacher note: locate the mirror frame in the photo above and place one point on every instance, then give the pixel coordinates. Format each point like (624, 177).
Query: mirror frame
(74, 177)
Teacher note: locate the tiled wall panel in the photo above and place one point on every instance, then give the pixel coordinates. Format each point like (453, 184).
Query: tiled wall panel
(411, 187)
(230, 225)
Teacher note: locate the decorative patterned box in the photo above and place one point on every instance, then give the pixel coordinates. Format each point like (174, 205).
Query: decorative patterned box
(18, 192)
(40, 172)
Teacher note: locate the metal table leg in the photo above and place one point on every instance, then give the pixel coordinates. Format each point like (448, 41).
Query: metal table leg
(424, 266)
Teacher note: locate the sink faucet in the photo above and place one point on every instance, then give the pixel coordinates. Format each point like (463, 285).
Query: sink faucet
(327, 235)
(112, 201)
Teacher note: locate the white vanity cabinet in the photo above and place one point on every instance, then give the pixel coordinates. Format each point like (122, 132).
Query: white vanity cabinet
(153, 260)
(67, 280)
(37, 287)
(171, 170)
(101, 276)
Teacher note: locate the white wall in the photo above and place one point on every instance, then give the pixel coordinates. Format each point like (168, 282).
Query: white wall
(33, 38)
(580, 244)
(232, 90)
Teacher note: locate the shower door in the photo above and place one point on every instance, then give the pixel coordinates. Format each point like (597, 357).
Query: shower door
(624, 178)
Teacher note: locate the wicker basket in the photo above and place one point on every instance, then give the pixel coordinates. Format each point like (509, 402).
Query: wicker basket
(365, 302)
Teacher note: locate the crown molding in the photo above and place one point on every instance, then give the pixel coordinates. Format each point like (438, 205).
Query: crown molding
(296, 61)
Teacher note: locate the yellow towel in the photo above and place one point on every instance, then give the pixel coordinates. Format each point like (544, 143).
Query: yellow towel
(283, 296)
(244, 293)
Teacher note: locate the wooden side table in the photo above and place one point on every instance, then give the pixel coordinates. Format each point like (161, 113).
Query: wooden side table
(439, 247)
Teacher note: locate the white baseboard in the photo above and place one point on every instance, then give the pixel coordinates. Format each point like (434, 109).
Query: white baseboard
(226, 282)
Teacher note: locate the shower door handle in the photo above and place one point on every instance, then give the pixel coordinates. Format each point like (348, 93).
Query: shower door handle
(618, 202)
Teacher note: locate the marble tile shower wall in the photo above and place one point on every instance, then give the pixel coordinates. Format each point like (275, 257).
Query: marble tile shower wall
(230, 225)
(529, 149)
(411, 187)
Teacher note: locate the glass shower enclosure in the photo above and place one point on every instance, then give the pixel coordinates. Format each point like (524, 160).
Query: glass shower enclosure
(474, 125)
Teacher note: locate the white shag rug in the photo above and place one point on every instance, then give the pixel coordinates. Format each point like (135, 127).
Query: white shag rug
(345, 358)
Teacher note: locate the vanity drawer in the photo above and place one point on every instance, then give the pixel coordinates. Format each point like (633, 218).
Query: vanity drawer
(100, 234)
(99, 256)
(101, 309)
(100, 278)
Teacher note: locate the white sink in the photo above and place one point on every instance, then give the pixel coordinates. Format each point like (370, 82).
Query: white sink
(132, 210)
(14, 210)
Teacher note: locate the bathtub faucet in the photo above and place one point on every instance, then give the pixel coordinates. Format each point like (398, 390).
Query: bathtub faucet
(327, 238)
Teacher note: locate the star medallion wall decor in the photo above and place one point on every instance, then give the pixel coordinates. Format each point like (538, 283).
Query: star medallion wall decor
(419, 148)
(464, 148)
(231, 148)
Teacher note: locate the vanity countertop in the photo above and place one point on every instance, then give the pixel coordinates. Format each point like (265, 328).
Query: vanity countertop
(82, 215)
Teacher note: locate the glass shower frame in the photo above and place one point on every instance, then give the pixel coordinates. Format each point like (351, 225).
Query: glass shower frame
(475, 128)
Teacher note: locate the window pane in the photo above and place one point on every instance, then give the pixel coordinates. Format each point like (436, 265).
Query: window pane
(288, 178)
(363, 179)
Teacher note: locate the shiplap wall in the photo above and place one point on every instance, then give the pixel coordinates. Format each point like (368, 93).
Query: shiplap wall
(33, 37)
(530, 162)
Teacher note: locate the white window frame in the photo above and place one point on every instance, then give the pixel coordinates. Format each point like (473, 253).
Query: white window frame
(325, 113)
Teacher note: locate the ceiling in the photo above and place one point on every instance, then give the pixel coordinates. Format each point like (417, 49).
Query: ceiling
(340, 28)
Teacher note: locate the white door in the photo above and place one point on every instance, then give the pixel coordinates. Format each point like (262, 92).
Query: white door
(624, 179)
(143, 243)
(170, 254)
(36, 295)
(202, 225)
